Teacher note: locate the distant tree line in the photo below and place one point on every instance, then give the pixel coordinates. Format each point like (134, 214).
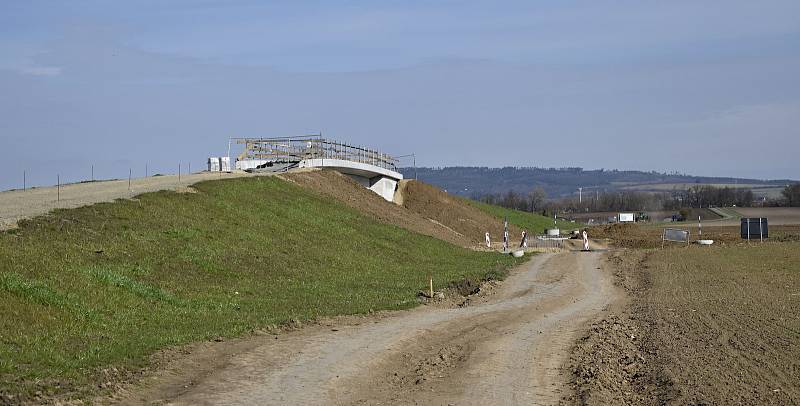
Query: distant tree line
(557, 182)
(791, 195)
(533, 201)
(705, 195)
(694, 197)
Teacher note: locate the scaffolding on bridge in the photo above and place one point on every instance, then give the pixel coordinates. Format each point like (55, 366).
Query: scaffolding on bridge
(293, 150)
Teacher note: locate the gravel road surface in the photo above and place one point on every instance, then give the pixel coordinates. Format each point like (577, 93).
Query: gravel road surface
(509, 349)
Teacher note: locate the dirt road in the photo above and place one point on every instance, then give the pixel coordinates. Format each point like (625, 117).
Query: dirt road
(19, 204)
(509, 349)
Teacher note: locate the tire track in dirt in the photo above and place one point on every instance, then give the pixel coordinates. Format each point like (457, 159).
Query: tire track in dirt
(509, 350)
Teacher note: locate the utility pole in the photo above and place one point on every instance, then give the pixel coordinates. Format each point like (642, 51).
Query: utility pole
(24, 180)
(580, 195)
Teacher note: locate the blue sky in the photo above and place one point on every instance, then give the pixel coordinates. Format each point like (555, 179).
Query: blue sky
(692, 86)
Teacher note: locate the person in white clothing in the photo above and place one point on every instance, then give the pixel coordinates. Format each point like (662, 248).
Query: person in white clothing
(488, 241)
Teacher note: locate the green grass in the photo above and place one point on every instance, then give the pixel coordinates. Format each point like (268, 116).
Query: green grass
(731, 212)
(532, 222)
(110, 284)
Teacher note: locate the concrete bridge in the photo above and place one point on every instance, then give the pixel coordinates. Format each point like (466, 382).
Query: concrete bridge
(371, 168)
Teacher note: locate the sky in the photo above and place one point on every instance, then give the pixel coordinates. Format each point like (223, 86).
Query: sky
(698, 87)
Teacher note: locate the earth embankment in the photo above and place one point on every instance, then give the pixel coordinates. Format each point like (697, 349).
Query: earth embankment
(423, 208)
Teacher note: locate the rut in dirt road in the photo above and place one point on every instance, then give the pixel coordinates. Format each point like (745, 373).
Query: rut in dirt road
(509, 350)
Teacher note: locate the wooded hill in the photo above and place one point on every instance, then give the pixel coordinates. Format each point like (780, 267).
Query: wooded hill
(561, 182)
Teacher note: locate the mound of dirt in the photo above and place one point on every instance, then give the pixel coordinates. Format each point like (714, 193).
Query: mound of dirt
(351, 193)
(420, 207)
(437, 206)
(615, 362)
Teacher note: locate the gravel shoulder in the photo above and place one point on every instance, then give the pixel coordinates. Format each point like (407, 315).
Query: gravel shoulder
(507, 349)
(16, 205)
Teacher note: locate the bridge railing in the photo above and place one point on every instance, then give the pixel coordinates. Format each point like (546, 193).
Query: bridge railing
(296, 149)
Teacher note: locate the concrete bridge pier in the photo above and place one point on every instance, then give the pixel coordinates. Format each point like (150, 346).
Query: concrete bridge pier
(378, 179)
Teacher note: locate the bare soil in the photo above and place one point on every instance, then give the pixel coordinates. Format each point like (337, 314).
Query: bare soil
(647, 236)
(437, 205)
(616, 360)
(420, 208)
(507, 348)
(775, 215)
(704, 325)
(343, 188)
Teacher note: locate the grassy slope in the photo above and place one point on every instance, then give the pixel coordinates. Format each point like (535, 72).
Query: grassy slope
(109, 284)
(532, 222)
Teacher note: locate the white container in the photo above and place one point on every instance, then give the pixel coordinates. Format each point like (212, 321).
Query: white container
(213, 164)
(518, 254)
(225, 164)
(553, 232)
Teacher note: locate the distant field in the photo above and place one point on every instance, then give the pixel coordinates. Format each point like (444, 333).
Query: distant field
(681, 186)
(649, 236)
(655, 216)
(83, 290)
(534, 223)
(777, 216)
(759, 190)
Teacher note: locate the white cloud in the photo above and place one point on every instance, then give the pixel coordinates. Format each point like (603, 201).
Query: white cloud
(21, 57)
(41, 70)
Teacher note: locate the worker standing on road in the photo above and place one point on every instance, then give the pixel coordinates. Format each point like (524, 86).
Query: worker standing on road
(585, 241)
(488, 241)
(505, 240)
(524, 243)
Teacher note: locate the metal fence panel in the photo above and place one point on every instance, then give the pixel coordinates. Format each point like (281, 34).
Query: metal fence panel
(676, 235)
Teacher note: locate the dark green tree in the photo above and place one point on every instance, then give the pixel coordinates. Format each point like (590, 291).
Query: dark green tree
(791, 193)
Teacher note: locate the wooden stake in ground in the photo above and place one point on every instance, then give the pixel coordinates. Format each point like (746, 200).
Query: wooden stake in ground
(430, 285)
